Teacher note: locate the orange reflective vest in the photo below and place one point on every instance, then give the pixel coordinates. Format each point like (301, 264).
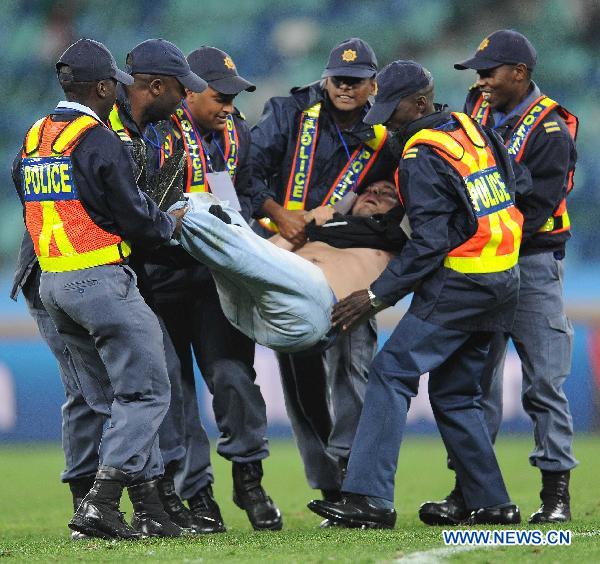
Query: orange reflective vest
(559, 221)
(495, 245)
(64, 235)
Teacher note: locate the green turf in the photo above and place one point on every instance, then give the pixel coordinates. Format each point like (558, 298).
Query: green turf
(34, 510)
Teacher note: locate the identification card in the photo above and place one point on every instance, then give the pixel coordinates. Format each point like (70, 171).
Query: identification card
(345, 204)
(222, 187)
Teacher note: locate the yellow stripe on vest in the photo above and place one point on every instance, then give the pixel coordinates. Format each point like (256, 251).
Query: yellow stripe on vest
(106, 255)
(72, 132)
(32, 141)
(445, 142)
(52, 226)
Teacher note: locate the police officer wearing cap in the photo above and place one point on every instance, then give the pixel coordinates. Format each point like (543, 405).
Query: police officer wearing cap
(84, 211)
(312, 149)
(216, 141)
(161, 74)
(457, 183)
(540, 136)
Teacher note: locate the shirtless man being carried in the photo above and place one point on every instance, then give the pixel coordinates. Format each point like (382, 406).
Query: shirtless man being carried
(352, 251)
(282, 297)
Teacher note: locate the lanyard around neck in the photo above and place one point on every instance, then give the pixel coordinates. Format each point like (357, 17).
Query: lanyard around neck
(156, 144)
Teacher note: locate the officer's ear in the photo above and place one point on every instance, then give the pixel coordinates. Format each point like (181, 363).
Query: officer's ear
(106, 88)
(373, 87)
(521, 73)
(421, 103)
(190, 95)
(156, 86)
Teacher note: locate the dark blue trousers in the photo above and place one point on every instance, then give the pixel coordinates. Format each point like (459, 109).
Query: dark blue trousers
(197, 325)
(82, 427)
(454, 360)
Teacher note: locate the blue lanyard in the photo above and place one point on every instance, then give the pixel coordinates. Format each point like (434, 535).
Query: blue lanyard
(216, 142)
(207, 157)
(156, 144)
(354, 185)
(342, 140)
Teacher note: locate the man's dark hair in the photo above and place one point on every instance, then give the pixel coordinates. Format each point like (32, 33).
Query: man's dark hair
(73, 90)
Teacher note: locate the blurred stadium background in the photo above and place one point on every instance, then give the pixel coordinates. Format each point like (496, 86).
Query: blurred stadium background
(279, 44)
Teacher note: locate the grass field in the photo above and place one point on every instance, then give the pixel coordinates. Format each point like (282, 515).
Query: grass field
(34, 510)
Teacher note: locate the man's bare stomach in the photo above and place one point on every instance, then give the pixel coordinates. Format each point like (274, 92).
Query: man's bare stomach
(346, 270)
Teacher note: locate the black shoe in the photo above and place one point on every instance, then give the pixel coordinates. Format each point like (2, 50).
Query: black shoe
(176, 510)
(79, 489)
(249, 494)
(219, 212)
(149, 515)
(206, 512)
(451, 510)
(505, 515)
(98, 514)
(355, 511)
(556, 501)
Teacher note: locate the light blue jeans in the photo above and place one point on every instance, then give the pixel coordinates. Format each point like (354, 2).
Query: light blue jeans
(273, 296)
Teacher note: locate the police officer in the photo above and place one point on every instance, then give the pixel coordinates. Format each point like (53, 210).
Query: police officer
(157, 66)
(153, 97)
(540, 135)
(82, 210)
(216, 141)
(312, 149)
(457, 184)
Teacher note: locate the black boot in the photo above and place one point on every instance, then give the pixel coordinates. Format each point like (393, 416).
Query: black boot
(79, 489)
(206, 512)
(334, 496)
(249, 494)
(556, 502)
(98, 514)
(149, 515)
(355, 511)
(451, 510)
(177, 511)
(506, 514)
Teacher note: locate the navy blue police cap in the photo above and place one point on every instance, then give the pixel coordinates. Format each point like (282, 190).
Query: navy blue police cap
(90, 60)
(352, 57)
(503, 47)
(159, 56)
(218, 69)
(396, 81)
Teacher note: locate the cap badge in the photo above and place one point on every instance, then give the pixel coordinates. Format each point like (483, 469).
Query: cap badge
(349, 55)
(229, 62)
(483, 44)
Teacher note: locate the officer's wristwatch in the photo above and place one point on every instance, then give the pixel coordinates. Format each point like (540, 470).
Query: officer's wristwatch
(376, 303)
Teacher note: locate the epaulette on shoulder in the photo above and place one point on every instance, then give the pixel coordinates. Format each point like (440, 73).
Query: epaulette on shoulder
(411, 153)
(551, 126)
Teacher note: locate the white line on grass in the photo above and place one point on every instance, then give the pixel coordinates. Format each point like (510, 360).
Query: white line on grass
(435, 555)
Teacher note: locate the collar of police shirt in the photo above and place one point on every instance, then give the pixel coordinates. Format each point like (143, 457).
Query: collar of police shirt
(64, 105)
(520, 107)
